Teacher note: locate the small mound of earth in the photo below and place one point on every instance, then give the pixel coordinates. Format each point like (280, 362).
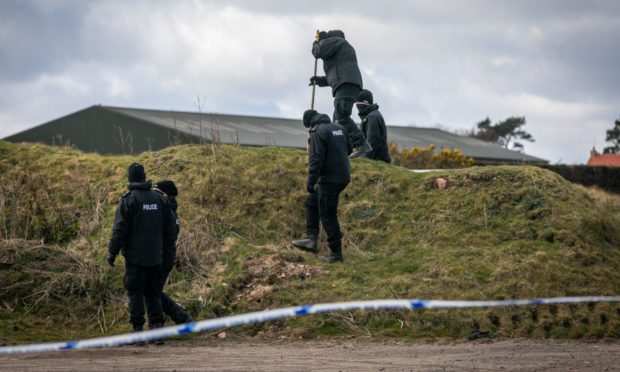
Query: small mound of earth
(267, 272)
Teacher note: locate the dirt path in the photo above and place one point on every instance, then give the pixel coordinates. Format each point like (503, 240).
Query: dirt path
(332, 355)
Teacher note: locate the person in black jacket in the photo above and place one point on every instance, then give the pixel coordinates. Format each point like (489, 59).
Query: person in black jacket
(373, 126)
(169, 190)
(343, 75)
(328, 175)
(143, 230)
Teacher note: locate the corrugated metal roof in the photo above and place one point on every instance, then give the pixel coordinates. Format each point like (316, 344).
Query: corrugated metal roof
(261, 131)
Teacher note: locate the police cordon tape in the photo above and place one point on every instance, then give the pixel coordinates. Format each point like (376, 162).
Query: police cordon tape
(289, 312)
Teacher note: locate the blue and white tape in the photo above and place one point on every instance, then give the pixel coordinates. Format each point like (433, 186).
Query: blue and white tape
(289, 312)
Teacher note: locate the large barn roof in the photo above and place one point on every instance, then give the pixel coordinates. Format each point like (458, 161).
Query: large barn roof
(244, 130)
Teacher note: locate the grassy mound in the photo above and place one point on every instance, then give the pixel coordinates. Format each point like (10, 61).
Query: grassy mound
(492, 233)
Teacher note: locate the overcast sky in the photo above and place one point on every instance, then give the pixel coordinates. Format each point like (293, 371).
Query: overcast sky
(429, 63)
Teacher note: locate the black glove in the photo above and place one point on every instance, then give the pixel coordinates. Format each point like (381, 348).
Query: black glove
(318, 80)
(310, 189)
(111, 260)
(322, 35)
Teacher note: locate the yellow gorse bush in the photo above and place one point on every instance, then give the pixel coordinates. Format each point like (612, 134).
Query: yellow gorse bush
(427, 158)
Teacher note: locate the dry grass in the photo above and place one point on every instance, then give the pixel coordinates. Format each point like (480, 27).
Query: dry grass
(493, 233)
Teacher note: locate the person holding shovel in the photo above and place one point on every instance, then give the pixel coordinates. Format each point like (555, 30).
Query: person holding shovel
(342, 74)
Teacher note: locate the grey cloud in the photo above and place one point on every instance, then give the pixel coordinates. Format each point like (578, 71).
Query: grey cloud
(428, 62)
(35, 39)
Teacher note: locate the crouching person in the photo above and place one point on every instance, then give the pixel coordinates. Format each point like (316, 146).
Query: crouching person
(328, 175)
(178, 315)
(143, 228)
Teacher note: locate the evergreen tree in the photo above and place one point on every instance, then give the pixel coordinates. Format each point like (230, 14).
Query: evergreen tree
(504, 133)
(613, 137)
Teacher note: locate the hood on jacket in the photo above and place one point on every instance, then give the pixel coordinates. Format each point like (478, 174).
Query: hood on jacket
(364, 110)
(146, 185)
(335, 33)
(320, 119)
(312, 118)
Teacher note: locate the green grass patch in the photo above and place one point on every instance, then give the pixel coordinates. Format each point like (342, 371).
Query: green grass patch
(494, 233)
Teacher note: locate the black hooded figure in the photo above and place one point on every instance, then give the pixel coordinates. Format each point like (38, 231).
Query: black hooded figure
(143, 230)
(373, 126)
(328, 175)
(343, 75)
(178, 315)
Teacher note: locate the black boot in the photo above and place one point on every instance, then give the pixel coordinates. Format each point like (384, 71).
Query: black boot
(156, 326)
(335, 256)
(308, 244)
(137, 328)
(332, 258)
(181, 317)
(174, 310)
(186, 319)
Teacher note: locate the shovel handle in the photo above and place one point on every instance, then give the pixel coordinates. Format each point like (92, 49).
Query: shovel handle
(316, 61)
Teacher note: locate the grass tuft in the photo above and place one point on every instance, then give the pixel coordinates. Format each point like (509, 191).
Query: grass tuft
(498, 232)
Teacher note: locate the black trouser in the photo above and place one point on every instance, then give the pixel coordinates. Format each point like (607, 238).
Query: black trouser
(344, 99)
(171, 308)
(143, 287)
(323, 205)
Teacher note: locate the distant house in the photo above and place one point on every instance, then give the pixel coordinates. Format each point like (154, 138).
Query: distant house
(603, 160)
(119, 130)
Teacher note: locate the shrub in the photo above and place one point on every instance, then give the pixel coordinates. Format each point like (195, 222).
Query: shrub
(607, 178)
(427, 158)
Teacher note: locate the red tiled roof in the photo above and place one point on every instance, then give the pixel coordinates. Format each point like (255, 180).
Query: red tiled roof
(606, 160)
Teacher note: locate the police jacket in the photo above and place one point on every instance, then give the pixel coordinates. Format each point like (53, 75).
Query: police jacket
(373, 127)
(329, 153)
(143, 226)
(339, 61)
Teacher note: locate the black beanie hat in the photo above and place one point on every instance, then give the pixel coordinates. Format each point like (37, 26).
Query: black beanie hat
(308, 116)
(364, 97)
(135, 173)
(168, 187)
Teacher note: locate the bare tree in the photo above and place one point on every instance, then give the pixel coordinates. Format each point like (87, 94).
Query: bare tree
(235, 138)
(199, 107)
(215, 131)
(125, 140)
(58, 140)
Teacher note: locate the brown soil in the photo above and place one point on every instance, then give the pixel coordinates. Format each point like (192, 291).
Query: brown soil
(264, 270)
(332, 355)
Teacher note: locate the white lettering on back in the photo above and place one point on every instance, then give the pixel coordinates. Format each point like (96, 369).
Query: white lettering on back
(337, 132)
(149, 207)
